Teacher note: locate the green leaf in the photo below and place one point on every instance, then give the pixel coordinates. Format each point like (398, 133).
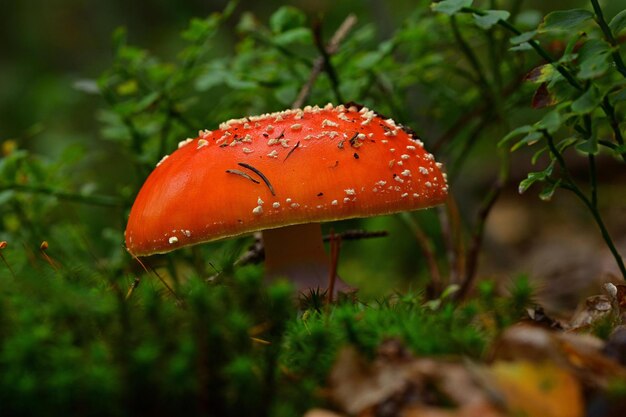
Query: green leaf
(537, 154)
(593, 57)
(551, 122)
(286, 18)
(450, 7)
(298, 35)
(569, 55)
(548, 190)
(524, 37)
(587, 102)
(530, 139)
(564, 20)
(119, 38)
(620, 150)
(594, 47)
(594, 68)
(533, 177)
(589, 146)
(490, 18)
(541, 74)
(515, 132)
(521, 47)
(147, 100)
(566, 143)
(200, 29)
(127, 88)
(618, 23)
(619, 96)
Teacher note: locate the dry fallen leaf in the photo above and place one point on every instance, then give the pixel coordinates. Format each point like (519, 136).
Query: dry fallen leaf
(537, 390)
(319, 412)
(396, 381)
(593, 309)
(356, 385)
(581, 354)
(482, 409)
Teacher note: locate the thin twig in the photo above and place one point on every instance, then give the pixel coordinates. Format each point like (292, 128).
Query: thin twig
(256, 252)
(260, 174)
(3, 245)
(619, 63)
(242, 174)
(456, 247)
(426, 247)
(470, 56)
(335, 247)
(570, 185)
(132, 287)
(477, 240)
(357, 235)
(461, 123)
(43, 248)
(166, 285)
(291, 150)
(318, 65)
(328, 66)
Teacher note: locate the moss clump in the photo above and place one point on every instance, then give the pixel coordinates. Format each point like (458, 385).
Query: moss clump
(72, 345)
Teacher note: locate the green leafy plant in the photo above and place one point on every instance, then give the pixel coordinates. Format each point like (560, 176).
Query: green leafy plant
(582, 88)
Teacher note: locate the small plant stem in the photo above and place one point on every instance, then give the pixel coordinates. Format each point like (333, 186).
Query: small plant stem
(328, 65)
(535, 45)
(593, 180)
(619, 63)
(335, 247)
(609, 110)
(318, 65)
(475, 246)
(132, 287)
(470, 56)
(425, 245)
(166, 285)
(3, 245)
(43, 248)
(606, 105)
(591, 204)
(96, 200)
(456, 247)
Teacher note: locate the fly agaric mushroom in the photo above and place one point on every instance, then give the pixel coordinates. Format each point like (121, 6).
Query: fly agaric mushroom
(284, 173)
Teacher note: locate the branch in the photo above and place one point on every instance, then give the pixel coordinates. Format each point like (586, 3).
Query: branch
(477, 240)
(570, 185)
(619, 63)
(256, 252)
(320, 62)
(426, 246)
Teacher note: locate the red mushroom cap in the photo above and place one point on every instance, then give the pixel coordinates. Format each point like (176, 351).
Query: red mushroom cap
(279, 169)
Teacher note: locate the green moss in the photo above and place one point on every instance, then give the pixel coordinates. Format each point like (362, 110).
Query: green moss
(68, 344)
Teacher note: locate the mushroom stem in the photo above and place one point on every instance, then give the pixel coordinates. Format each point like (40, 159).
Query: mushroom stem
(297, 252)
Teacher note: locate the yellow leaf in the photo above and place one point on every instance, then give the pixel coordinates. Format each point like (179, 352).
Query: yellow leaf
(538, 390)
